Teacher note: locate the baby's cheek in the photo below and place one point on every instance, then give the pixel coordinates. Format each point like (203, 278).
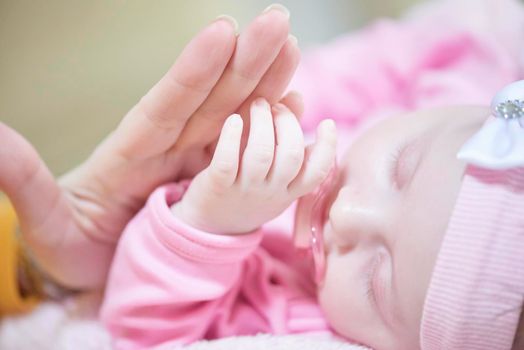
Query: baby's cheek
(340, 300)
(343, 300)
(338, 316)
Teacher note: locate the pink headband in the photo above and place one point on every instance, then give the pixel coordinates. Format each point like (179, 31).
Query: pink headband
(476, 293)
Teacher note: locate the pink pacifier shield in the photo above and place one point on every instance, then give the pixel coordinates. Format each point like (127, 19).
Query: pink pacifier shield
(318, 217)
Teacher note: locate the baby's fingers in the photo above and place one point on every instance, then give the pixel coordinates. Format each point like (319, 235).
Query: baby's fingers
(259, 152)
(319, 161)
(289, 149)
(224, 165)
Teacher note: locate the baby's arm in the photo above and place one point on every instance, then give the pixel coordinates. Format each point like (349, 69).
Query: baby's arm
(167, 280)
(237, 194)
(172, 278)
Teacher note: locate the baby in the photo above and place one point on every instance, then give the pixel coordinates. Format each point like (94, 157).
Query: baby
(214, 257)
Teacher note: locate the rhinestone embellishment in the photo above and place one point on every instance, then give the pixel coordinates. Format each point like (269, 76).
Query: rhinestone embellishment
(511, 109)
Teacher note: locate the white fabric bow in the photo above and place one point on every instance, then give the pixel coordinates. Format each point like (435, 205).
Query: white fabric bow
(499, 144)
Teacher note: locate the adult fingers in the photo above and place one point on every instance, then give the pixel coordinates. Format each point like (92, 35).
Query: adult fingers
(154, 124)
(31, 187)
(256, 50)
(293, 100)
(273, 84)
(275, 81)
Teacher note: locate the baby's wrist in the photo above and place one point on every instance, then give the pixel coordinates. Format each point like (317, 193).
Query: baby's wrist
(181, 213)
(203, 222)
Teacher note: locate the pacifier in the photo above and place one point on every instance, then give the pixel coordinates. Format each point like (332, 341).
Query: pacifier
(311, 213)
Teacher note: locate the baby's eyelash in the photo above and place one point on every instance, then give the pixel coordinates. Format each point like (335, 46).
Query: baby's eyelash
(394, 163)
(370, 291)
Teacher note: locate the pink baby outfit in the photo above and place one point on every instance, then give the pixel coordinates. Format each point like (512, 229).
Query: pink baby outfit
(172, 283)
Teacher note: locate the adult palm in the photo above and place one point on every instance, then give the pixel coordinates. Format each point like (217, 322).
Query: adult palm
(72, 226)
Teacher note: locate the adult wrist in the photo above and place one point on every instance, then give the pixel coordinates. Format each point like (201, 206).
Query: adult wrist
(32, 278)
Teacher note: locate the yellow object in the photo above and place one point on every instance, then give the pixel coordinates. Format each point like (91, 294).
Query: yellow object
(11, 300)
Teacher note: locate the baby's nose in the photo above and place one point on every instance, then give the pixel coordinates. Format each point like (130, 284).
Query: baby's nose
(356, 217)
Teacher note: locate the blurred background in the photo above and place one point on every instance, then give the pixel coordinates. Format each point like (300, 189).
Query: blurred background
(69, 70)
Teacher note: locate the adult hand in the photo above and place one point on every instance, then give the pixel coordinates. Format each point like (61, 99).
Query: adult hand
(72, 225)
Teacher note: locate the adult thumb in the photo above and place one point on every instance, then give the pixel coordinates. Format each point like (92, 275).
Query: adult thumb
(26, 180)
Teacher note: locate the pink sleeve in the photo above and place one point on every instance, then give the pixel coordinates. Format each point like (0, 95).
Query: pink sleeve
(168, 279)
(172, 283)
(435, 57)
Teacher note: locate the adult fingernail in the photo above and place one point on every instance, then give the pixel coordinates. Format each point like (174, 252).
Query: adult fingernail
(229, 19)
(277, 7)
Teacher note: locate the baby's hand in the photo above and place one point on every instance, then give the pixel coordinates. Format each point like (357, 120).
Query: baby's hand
(232, 196)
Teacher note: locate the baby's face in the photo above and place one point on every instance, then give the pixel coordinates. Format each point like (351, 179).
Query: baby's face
(396, 190)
